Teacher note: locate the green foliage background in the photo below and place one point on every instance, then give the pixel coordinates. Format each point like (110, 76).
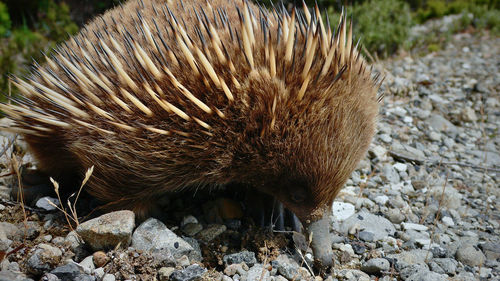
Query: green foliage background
(29, 27)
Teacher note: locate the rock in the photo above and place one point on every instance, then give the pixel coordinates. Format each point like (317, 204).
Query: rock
(381, 199)
(390, 174)
(411, 257)
(109, 230)
(448, 221)
(363, 220)
(470, 255)
(286, 266)
(211, 232)
(190, 273)
(341, 211)
(491, 250)
(352, 275)
(164, 273)
(427, 276)
(395, 216)
(468, 115)
(414, 226)
(236, 268)
(258, 272)
(378, 152)
(419, 268)
(242, 257)
(43, 258)
(376, 266)
(448, 265)
(191, 229)
(100, 258)
(47, 203)
(154, 235)
(71, 271)
(441, 124)
(7, 275)
(110, 277)
(88, 264)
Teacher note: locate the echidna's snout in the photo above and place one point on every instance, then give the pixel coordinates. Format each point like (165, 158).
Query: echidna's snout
(321, 242)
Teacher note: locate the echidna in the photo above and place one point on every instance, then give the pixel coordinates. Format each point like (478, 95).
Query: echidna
(161, 96)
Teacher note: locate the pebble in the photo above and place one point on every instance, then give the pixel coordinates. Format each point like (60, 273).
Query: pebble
(363, 220)
(211, 232)
(164, 238)
(245, 257)
(376, 266)
(43, 258)
(47, 203)
(341, 211)
(190, 273)
(470, 255)
(109, 230)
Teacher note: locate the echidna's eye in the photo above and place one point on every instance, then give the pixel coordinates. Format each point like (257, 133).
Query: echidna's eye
(298, 195)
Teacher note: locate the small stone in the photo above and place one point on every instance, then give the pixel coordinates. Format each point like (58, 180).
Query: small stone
(188, 219)
(7, 275)
(352, 274)
(468, 115)
(448, 265)
(435, 136)
(341, 211)
(470, 255)
(87, 264)
(154, 235)
(400, 167)
(236, 268)
(47, 203)
(107, 231)
(381, 199)
(100, 258)
(376, 266)
(378, 152)
(366, 236)
(211, 232)
(414, 226)
(258, 272)
(71, 271)
(190, 273)
(286, 266)
(390, 174)
(363, 220)
(448, 221)
(427, 276)
(164, 273)
(191, 229)
(242, 257)
(395, 216)
(110, 277)
(43, 258)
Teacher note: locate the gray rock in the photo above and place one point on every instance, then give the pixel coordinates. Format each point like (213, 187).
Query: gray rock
(352, 275)
(242, 257)
(190, 273)
(416, 256)
(441, 124)
(110, 277)
(236, 268)
(395, 216)
(427, 276)
(376, 266)
(107, 231)
(43, 258)
(491, 250)
(448, 265)
(408, 271)
(165, 272)
(286, 266)
(7, 275)
(211, 232)
(153, 234)
(191, 229)
(258, 272)
(71, 271)
(363, 220)
(470, 255)
(390, 174)
(43, 203)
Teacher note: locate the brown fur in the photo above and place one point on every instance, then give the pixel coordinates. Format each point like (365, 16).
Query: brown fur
(267, 138)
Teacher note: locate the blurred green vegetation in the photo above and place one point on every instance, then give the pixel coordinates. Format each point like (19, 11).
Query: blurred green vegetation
(28, 27)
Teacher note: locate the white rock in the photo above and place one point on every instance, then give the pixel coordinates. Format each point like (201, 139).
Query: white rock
(448, 221)
(414, 226)
(341, 211)
(47, 203)
(400, 167)
(381, 199)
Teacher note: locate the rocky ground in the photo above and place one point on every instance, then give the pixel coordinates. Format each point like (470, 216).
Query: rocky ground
(423, 205)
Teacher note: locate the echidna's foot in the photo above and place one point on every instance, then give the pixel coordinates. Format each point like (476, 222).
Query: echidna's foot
(34, 185)
(321, 242)
(268, 212)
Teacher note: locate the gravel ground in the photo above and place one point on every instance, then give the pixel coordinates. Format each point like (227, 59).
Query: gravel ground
(423, 205)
